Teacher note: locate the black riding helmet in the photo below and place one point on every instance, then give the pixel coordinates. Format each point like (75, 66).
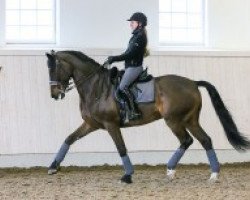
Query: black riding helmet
(139, 17)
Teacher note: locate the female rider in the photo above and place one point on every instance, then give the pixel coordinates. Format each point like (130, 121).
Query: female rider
(133, 57)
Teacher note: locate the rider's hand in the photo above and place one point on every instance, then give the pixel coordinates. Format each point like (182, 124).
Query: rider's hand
(110, 60)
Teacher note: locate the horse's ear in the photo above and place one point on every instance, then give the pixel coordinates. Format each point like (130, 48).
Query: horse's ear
(49, 56)
(51, 60)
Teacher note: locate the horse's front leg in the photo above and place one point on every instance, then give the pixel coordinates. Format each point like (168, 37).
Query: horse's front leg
(116, 135)
(82, 131)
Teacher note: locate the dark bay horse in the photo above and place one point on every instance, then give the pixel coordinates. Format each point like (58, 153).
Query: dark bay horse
(177, 101)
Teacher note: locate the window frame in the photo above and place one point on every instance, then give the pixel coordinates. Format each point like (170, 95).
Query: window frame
(186, 44)
(53, 41)
(2, 23)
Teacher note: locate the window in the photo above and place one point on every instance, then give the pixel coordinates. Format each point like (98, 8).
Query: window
(30, 21)
(181, 22)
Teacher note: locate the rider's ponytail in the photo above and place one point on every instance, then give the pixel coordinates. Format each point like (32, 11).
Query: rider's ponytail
(146, 50)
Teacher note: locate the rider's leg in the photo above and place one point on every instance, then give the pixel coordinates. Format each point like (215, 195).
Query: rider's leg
(134, 111)
(130, 75)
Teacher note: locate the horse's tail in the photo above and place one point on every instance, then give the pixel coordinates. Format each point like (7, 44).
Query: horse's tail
(237, 140)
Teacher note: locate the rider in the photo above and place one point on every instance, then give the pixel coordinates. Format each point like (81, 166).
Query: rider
(133, 57)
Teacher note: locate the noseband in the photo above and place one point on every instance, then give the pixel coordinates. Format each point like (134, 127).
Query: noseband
(63, 87)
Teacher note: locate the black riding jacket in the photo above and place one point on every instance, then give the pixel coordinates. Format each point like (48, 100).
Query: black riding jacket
(134, 53)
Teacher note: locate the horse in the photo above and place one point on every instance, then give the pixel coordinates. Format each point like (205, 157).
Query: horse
(177, 100)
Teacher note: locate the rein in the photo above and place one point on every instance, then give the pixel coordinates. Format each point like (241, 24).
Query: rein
(81, 80)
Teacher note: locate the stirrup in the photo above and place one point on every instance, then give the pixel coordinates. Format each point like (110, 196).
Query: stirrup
(134, 115)
(118, 95)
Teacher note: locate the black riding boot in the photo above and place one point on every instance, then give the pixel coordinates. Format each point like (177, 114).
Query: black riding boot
(129, 98)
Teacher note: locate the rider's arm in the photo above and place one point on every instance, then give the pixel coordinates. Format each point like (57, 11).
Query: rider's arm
(131, 51)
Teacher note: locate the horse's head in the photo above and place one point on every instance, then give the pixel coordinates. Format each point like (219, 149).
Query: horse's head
(60, 73)
(64, 65)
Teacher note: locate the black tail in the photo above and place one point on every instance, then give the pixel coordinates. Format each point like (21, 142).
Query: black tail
(236, 139)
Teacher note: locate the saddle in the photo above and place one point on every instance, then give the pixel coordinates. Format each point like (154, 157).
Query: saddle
(115, 77)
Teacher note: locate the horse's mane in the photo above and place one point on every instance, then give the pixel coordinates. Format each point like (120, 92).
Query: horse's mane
(83, 57)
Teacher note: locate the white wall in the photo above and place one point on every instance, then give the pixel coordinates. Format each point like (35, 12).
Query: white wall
(32, 122)
(102, 24)
(38, 127)
(229, 24)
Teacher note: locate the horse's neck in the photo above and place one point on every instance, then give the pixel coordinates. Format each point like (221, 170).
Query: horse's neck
(88, 86)
(84, 68)
(89, 79)
(95, 92)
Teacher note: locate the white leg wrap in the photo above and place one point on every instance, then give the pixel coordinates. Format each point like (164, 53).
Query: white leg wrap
(171, 174)
(214, 178)
(52, 171)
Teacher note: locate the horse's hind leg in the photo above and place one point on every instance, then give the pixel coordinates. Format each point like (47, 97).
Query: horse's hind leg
(206, 143)
(185, 141)
(83, 130)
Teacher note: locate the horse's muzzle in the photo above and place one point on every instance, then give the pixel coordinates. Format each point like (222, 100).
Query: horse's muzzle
(56, 97)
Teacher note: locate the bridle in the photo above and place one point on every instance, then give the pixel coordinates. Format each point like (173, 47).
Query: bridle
(62, 86)
(66, 86)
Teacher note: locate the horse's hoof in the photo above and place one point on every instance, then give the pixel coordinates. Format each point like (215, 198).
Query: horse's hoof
(52, 171)
(214, 178)
(126, 179)
(171, 174)
(53, 168)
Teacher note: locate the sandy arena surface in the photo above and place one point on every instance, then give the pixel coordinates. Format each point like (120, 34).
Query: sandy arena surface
(103, 183)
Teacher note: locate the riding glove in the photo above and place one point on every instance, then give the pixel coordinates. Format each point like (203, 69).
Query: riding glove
(110, 60)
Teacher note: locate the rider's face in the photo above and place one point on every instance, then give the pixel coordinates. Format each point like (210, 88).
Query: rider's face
(134, 25)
